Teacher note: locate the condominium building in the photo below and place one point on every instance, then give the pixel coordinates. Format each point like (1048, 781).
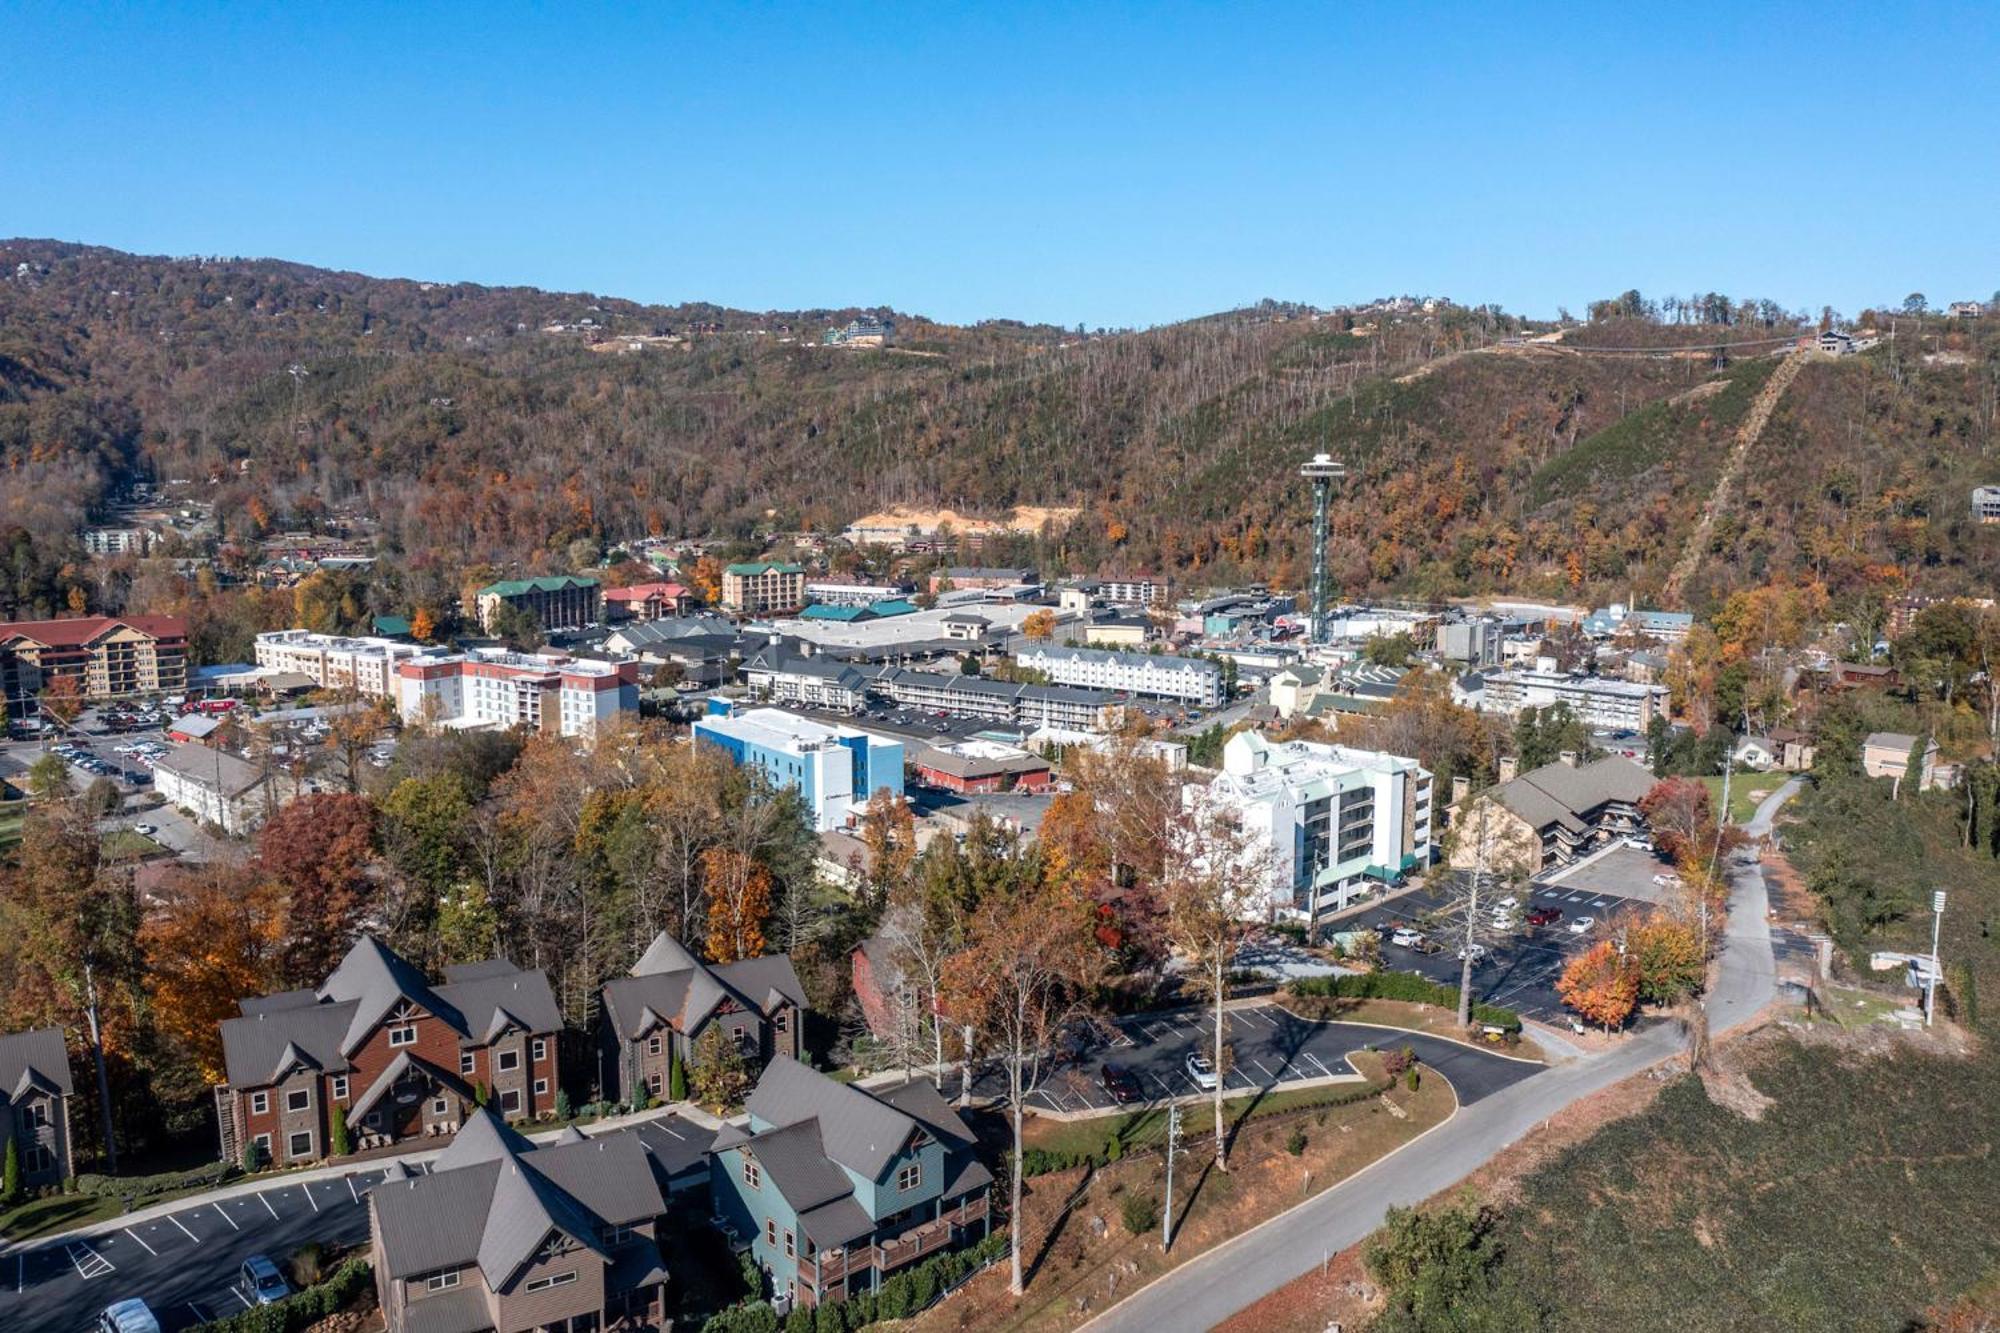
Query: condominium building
(1188, 679)
(808, 682)
(1132, 590)
(543, 692)
(1335, 823)
(335, 662)
(108, 656)
(1025, 706)
(119, 541)
(836, 770)
(1605, 705)
(763, 588)
(565, 601)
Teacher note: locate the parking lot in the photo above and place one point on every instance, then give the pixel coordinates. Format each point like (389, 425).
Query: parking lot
(1522, 964)
(184, 1265)
(1269, 1047)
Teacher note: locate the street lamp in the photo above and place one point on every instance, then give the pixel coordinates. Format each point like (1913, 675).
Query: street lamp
(1937, 924)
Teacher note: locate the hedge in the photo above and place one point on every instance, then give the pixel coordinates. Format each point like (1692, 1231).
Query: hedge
(1404, 986)
(301, 1309)
(907, 1293)
(167, 1182)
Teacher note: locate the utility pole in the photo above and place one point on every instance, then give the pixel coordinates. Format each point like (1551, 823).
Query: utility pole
(1173, 1149)
(1937, 925)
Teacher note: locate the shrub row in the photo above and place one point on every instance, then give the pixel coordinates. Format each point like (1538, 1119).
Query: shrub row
(166, 1182)
(906, 1294)
(1403, 986)
(301, 1309)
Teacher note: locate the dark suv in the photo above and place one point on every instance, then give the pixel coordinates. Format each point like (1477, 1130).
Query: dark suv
(1118, 1081)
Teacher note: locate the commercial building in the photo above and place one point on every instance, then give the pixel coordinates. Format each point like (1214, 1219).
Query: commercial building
(214, 786)
(1336, 824)
(499, 1233)
(960, 578)
(855, 594)
(1550, 816)
(976, 766)
(108, 656)
(336, 662)
(35, 1089)
(565, 601)
(1024, 706)
(806, 682)
(1608, 622)
(1606, 705)
(1185, 678)
(832, 1188)
(654, 1017)
(763, 588)
(1471, 643)
(404, 1059)
(543, 692)
(835, 770)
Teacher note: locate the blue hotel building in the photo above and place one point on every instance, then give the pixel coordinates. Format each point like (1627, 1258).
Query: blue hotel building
(836, 769)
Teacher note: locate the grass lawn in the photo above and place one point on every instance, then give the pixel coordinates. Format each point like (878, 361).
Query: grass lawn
(39, 1217)
(1149, 1126)
(1858, 1008)
(1747, 791)
(125, 845)
(1428, 1018)
(12, 815)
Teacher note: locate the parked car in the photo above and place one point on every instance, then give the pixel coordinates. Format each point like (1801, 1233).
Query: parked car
(1476, 952)
(260, 1281)
(1405, 938)
(145, 830)
(1201, 1071)
(1118, 1081)
(1507, 904)
(133, 1316)
(1545, 916)
(1582, 925)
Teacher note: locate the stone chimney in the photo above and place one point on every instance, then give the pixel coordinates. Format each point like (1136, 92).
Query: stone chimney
(1461, 787)
(1568, 758)
(1509, 766)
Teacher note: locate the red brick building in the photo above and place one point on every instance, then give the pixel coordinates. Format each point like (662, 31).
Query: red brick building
(403, 1058)
(982, 766)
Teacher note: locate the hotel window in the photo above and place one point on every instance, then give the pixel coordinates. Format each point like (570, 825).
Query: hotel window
(404, 1034)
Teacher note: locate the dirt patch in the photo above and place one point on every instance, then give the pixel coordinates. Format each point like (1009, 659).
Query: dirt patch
(1729, 1085)
(1025, 519)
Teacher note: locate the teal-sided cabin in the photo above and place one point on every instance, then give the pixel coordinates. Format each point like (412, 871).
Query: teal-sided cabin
(833, 1189)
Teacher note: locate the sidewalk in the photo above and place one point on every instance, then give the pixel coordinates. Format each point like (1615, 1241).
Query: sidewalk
(416, 1156)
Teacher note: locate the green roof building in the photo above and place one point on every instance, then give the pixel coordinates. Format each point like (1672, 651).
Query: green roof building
(560, 601)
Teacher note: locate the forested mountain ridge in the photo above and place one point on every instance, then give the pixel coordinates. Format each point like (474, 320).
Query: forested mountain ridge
(1479, 462)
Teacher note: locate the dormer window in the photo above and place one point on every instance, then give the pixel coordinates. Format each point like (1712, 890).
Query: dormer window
(910, 1177)
(403, 1034)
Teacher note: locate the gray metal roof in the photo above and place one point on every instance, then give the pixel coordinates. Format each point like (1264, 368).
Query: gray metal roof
(860, 1132)
(461, 1311)
(671, 983)
(210, 768)
(36, 1055)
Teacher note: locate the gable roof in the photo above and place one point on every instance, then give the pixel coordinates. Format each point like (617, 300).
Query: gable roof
(750, 569)
(547, 583)
(35, 1058)
(859, 1131)
(670, 985)
(77, 631)
(1561, 793)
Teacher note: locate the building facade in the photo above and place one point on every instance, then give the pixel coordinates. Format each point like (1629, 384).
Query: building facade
(763, 588)
(655, 1017)
(1187, 679)
(562, 601)
(855, 594)
(35, 1092)
(647, 601)
(1025, 706)
(1549, 816)
(215, 787)
(336, 662)
(401, 1058)
(836, 770)
(831, 1188)
(1336, 824)
(1609, 705)
(543, 692)
(806, 682)
(108, 657)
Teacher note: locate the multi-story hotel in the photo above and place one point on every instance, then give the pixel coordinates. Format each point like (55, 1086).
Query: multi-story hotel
(835, 770)
(108, 656)
(1187, 678)
(545, 692)
(1607, 705)
(335, 662)
(763, 588)
(565, 601)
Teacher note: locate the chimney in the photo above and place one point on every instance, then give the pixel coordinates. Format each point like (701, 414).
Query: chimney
(1461, 787)
(1509, 766)
(1568, 758)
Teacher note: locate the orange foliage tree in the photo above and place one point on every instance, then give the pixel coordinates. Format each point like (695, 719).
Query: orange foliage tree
(739, 903)
(1602, 985)
(212, 938)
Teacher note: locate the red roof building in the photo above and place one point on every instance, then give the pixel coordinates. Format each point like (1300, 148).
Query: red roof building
(647, 601)
(108, 656)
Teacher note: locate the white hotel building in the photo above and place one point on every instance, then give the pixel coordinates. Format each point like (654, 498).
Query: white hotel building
(336, 662)
(1186, 678)
(544, 692)
(1604, 705)
(1338, 824)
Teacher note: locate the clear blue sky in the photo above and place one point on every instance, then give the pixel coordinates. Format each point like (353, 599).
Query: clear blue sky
(1113, 165)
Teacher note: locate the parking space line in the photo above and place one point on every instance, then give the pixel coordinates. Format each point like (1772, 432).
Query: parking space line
(20, 1271)
(265, 1199)
(1267, 1073)
(142, 1244)
(238, 1294)
(227, 1218)
(1318, 1064)
(357, 1198)
(309, 1197)
(95, 1265)
(183, 1226)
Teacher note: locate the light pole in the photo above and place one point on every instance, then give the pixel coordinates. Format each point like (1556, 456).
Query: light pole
(1937, 925)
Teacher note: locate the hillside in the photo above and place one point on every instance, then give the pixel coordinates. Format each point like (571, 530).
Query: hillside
(447, 412)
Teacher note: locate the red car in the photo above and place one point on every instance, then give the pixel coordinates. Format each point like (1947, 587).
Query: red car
(1545, 916)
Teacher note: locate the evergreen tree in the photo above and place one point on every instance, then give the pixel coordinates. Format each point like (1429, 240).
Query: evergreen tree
(10, 1174)
(337, 1136)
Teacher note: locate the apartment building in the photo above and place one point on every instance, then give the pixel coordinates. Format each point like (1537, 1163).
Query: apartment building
(563, 601)
(1025, 706)
(763, 588)
(35, 1090)
(119, 541)
(1336, 824)
(1605, 705)
(671, 1000)
(836, 770)
(500, 1233)
(855, 594)
(1549, 816)
(366, 666)
(1132, 590)
(542, 692)
(108, 656)
(1188, 679)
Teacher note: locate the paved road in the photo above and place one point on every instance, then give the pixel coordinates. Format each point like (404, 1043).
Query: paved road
(1209, 1289)
(1270, 1047)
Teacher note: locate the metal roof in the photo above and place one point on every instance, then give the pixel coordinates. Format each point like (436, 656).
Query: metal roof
(37, 1054)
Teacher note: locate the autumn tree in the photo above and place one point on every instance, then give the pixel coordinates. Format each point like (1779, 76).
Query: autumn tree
(319, 849)
(739, 903)
(889, 831)
(719, 1077)
(1601, 984)
(1666, 957)
(61, 700)
(1681, 816)
(1028, 970)
(1040, 625)
(212, 937)
(1216, 886)
(423, 626)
